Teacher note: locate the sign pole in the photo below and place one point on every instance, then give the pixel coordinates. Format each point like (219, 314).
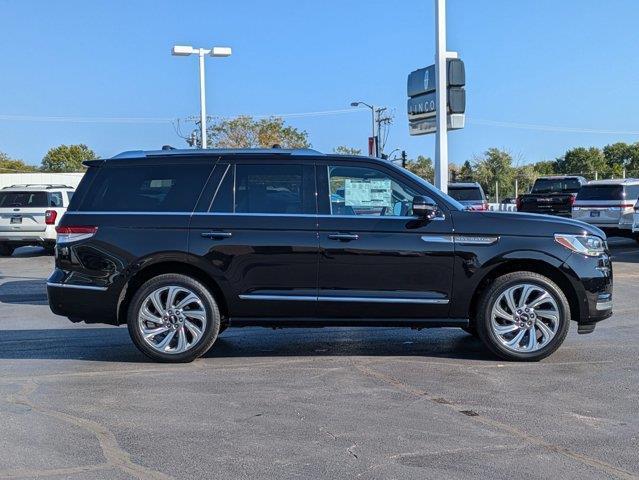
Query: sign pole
(441, 138)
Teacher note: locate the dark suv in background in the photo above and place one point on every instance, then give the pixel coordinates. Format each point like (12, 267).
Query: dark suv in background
(180, 245)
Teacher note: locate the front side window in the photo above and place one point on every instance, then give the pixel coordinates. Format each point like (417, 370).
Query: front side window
(364, 191)
(271, 189)
(142, 188)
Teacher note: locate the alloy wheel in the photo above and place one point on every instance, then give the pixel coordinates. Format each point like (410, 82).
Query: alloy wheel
(525, 318)
(172, 319)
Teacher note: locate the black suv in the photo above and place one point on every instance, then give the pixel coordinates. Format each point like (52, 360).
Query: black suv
(180, 245)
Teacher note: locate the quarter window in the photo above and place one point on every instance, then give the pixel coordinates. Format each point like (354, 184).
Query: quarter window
(363, 191)
(147, 188)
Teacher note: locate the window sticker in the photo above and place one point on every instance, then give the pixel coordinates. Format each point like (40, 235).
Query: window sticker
(368, 193)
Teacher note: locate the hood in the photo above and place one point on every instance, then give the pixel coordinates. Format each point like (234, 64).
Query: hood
(530, 224)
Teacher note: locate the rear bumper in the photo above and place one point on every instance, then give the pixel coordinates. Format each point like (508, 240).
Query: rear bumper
(81, 302)
(29, 238)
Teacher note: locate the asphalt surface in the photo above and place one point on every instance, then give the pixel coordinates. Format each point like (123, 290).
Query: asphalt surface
(81, 402)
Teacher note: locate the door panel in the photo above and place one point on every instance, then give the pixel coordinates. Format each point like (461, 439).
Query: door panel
(263, 256)
(377, 261)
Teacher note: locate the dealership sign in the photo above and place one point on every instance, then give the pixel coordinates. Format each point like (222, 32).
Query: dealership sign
(421, 90)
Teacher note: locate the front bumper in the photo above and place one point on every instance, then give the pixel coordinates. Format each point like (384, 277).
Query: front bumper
(592, 280)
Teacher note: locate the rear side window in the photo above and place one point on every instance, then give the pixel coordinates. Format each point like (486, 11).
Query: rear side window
(465, 193)
(147, 188)
(632, 192)
(281, 189)
(600, 192)
(24, 199)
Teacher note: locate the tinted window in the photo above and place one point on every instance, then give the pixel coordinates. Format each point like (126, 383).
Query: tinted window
(270, 189)
(600, 192)
(24, 199)
(465, 193)
(632, 192)
(556, 185)
(70, 195)
(366, 191)
(148, 188)
(55, 199)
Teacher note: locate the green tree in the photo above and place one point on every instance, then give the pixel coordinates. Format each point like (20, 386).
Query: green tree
(495, 166)
(11, 165)
(585, 161)
(525, 176)
(344, 150)
(246, 132)
(620, 156)
(422, 167)
(67, 158)
(466, 172)
(545, 167)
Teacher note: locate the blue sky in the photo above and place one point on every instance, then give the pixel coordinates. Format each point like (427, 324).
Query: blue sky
(570, 64)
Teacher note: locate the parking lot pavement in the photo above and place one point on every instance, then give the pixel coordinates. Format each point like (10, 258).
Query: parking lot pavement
(81, 402)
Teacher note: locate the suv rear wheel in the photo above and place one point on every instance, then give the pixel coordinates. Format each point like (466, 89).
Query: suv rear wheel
(6, 250)
(523, 316)
(173, 318)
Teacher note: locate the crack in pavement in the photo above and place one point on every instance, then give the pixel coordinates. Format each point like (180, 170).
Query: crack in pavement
(496, 424)
(115, 456)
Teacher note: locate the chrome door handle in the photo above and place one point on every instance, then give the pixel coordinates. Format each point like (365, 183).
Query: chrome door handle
(344, 237)
(216, 235)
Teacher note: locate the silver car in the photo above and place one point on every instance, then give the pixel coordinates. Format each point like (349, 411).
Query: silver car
(609, 205)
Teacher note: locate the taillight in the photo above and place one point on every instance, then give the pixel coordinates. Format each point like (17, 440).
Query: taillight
(484, 206)
(50, 216)
(571, 199)
(75, 233)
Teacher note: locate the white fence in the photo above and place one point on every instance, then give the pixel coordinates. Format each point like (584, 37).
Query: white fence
(71, 179)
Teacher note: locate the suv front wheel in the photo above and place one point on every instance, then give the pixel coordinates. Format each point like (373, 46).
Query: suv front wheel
(173, 318)
(523, 316)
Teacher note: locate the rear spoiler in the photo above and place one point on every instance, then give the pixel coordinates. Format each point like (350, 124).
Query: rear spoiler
(93, 163)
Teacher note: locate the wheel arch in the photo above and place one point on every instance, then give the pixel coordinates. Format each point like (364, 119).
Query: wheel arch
(169, 266)
(539, 266)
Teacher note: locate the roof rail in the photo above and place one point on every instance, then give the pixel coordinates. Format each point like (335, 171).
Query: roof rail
(41, 185)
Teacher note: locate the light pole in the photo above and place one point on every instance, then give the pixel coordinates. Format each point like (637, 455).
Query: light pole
(185, 51)
(374, 136)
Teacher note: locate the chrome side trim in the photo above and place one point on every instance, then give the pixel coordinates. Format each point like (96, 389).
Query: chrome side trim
(78, 287)
(299, 298)
(437, 301)
(438, 238)
(126, 213)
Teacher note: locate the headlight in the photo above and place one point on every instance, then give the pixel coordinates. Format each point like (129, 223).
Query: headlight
(585, 244)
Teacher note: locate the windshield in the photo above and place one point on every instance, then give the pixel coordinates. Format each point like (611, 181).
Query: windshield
(556, 185)
(600, 192)
(465, 193)
(23, 199)
(454, 203)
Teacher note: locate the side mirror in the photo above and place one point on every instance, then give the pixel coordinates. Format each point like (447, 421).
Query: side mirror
(424, 207)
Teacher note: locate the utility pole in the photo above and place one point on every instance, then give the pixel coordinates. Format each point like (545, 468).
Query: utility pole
(382, 118)
(441, 135)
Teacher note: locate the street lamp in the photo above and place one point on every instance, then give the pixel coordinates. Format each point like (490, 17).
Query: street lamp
(357, 104)
(185, 51)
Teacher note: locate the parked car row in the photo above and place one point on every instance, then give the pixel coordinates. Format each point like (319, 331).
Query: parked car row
(29, 214)
(611, 205)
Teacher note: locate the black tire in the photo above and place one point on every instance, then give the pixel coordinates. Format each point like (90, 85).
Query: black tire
(49, 248)
(6, 250)
(209, 333)
(491, 295)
